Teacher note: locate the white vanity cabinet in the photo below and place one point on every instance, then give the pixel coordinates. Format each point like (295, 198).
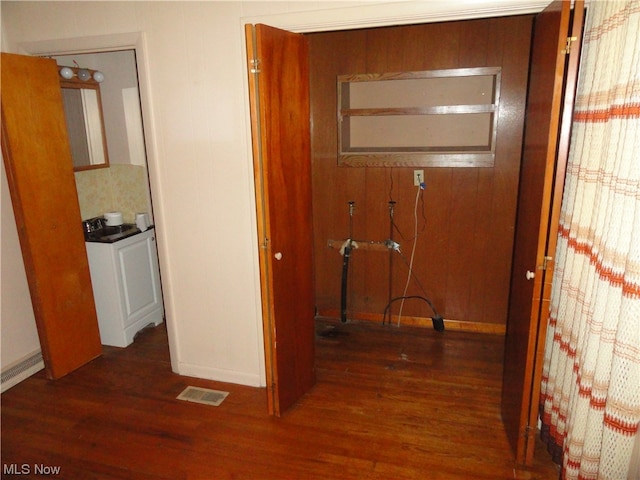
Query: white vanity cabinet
(126, 286)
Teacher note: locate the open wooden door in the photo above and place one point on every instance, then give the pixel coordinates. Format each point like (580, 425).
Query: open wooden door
(553, 75)
(279, 95)
(37, 156)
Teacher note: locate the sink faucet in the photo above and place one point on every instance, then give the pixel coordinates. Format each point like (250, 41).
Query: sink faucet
(93, 224)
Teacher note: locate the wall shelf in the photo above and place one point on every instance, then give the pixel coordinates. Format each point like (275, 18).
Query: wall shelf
(439, 118)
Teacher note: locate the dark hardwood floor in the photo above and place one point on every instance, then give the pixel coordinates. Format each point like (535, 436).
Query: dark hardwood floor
(389, 404)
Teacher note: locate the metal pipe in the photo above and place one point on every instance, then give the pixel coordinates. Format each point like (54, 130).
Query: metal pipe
(345, 267)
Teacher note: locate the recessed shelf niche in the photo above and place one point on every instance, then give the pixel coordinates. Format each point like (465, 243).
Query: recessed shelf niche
(435, 118)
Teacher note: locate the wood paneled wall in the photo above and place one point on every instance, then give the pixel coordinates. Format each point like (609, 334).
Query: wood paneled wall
(466, 216)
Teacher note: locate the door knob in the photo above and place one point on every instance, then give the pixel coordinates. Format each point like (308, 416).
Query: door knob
(530, 274)
(278, 255)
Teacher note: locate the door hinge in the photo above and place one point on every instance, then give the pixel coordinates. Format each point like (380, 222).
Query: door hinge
(265, 242)
(255, 65)
(545, 262)
(567, 49)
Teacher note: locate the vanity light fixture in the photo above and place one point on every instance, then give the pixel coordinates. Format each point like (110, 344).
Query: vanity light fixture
(66, 73)
(82, 73)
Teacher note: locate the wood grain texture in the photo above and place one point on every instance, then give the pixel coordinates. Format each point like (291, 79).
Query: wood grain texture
(282, 168)
(389, 404)
(466, 216)
(37, 158)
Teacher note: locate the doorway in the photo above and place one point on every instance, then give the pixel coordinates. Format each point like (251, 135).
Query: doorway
(122, 185)
(466, 198)
(554, 37)
(137, 60)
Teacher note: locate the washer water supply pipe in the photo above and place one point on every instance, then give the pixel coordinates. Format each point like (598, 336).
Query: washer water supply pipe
(392, 205)
(345, 266)
(350, 244)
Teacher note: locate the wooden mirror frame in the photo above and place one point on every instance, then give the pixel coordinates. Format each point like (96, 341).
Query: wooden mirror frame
(90, 84)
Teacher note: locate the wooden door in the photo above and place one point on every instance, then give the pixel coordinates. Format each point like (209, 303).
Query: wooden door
(279, 95)
(37, 157)
(549, 106)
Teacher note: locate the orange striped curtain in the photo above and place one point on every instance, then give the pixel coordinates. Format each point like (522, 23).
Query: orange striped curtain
(590, 392)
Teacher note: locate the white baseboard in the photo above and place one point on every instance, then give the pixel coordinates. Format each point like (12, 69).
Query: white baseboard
(219, 375)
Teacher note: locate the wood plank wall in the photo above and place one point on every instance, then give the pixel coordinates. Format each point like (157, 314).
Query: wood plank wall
(466, 216)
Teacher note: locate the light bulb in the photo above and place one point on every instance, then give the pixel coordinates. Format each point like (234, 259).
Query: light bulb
(98, 76)
(66, 73)
(83, 74)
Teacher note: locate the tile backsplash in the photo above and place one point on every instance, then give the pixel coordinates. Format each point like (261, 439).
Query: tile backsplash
(120, 187)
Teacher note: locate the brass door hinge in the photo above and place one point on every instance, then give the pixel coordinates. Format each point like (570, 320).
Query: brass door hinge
(545, 263)
(255, 65)
(567, 49)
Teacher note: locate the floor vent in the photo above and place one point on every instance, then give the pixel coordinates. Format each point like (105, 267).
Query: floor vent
(203, 395)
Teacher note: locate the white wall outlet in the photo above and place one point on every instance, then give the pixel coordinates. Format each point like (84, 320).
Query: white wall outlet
(418, 177)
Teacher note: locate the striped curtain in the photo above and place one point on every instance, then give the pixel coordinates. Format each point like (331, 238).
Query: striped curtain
(590, 392)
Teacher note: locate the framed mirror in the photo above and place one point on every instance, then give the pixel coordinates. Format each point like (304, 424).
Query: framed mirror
(85, 122)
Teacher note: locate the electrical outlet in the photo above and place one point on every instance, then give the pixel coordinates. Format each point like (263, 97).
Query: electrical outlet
(418, 177)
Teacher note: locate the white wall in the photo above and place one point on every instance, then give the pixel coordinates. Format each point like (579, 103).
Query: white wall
(16, 312)
(193, 89)
(18, 334)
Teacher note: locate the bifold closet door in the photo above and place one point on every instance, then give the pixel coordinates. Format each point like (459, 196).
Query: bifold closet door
(279, 96)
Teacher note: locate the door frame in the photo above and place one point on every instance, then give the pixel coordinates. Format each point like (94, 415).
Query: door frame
(391, 14)
(108, 43)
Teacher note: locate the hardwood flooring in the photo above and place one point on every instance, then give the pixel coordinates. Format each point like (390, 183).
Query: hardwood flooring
(390, 403)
